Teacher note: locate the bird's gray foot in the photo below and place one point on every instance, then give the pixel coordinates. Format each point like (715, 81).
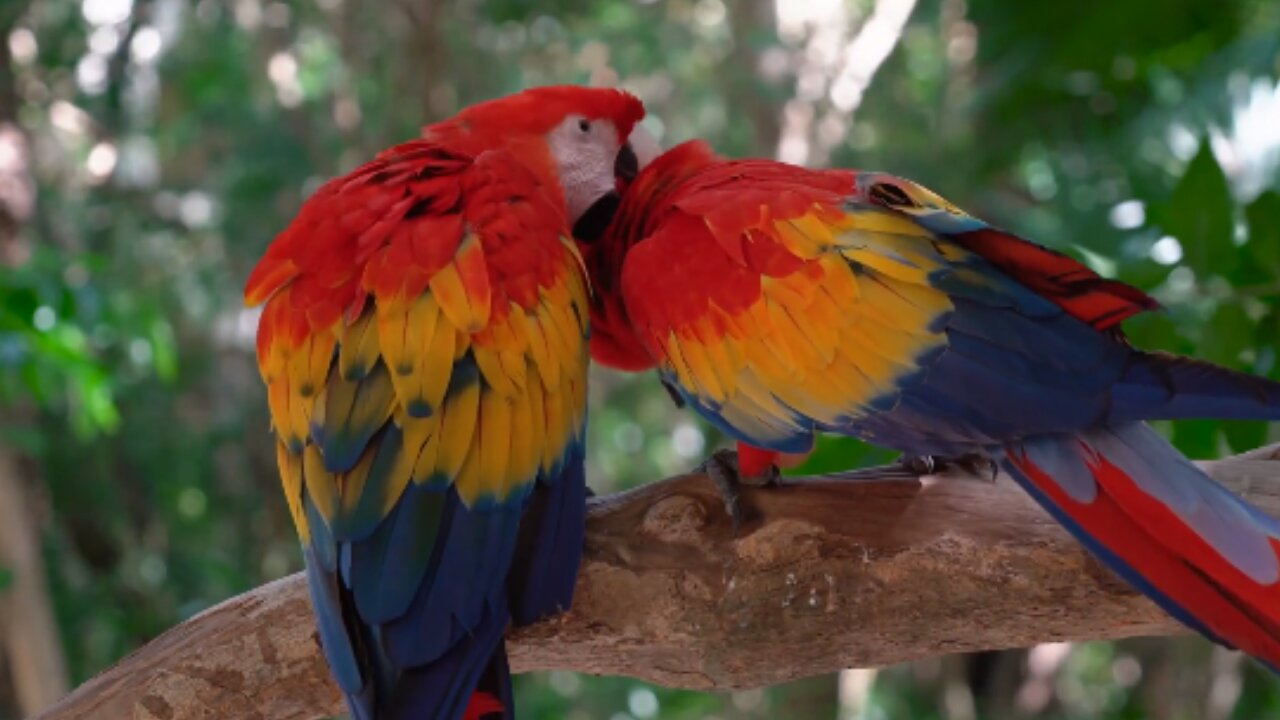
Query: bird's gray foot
(722, 468)
(975, 464)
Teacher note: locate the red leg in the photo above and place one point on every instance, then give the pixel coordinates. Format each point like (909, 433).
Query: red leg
(754, 462)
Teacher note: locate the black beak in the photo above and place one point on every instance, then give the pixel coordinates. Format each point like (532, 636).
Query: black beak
(627, 166)
(596, 219)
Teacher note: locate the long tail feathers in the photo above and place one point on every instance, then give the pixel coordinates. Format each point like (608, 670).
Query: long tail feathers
(1160, 386)
(445, 689)
(471, 681)
(1207, 557)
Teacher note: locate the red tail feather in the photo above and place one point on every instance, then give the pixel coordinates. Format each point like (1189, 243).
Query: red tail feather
(1075, 288)
(482, 704)
(1160, 547)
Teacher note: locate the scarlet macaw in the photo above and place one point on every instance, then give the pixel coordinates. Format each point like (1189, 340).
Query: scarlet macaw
(424, 350)
(780, 301)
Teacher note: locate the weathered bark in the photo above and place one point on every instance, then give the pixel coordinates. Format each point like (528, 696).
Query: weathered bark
(824, 577)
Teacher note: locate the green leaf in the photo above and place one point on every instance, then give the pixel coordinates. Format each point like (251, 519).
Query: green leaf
(1200, 213)
(1227, 334)
(164, 355)
(1197, 439)
(1263, 247)
(1244, 435)
(1155, 330)
(6, 577)
(21, 304)
(834, 453)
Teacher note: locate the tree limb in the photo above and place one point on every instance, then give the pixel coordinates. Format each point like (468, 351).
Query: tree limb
(825, 577)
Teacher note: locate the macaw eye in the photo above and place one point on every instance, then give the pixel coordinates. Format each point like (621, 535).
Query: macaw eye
(584, 125)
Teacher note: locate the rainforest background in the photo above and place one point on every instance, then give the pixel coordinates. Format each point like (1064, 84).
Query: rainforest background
(149, 150)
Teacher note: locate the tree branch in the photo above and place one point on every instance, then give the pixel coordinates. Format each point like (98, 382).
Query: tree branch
(827, 576)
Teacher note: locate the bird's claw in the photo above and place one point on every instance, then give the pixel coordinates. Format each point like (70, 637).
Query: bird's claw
(979, 466)
(919, 464)
(974, 464)
(722, 469)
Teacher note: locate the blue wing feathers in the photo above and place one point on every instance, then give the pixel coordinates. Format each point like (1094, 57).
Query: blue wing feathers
(999, 395)
(1059, 341)
(546, 569)
(350, 416)
(1023, 368)
(392, 563)
(337, 645)
(497, 682)
(453, 601)
(1004, 375)
(367, 515)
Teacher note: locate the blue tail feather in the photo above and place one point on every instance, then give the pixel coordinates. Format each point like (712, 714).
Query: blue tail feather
(1160, 386)
(496, 681)
(441, 690)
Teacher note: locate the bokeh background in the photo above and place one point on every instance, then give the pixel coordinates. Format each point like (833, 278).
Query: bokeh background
(149, 149)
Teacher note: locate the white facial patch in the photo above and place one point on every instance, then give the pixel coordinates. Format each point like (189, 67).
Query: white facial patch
(585, 151)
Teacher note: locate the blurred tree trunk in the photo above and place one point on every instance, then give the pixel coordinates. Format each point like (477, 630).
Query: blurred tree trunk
(16, 192)
(28, 633)
(745, 86)
(431, 56)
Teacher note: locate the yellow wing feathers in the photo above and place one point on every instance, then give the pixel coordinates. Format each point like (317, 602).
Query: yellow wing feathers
(828, 337)
(461, 384)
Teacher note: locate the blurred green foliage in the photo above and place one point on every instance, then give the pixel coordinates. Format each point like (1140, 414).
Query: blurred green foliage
(168, 140)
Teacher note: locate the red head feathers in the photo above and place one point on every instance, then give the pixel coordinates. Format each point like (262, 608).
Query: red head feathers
(537, 110)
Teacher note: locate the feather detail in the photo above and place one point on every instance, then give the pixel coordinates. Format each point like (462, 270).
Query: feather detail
(422, 314)
(1213, 564)
(777, 301)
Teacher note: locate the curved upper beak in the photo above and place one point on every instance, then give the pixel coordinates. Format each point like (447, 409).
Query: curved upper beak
(627, 166)
(596, 219)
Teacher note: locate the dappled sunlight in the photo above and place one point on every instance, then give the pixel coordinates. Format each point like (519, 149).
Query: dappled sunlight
(150, 149)
(830, 63)
(1249, 149)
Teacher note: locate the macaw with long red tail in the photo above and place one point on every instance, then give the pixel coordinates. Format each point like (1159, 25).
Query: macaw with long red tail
(425, 355)
(780, 302)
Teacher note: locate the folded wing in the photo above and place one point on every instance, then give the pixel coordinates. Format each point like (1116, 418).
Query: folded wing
(423, 346)
(780, 301)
